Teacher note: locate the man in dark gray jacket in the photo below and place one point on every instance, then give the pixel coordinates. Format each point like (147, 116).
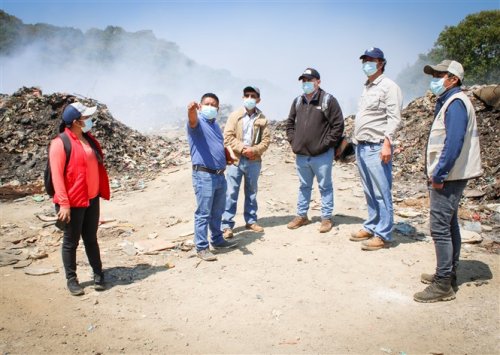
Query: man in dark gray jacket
(314, 129)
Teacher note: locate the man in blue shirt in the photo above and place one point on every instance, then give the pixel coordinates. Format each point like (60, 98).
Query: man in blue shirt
(208, 157)
(452, 157)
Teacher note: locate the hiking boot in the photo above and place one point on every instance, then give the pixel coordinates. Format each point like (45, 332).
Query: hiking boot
(297, 222)
(439, 290)
(99, 284)
(326, 225)
(206, 255)
(225, 245)
(254, 227)
(429, 278)
(74, 287)
(360, 235)
(227, 233)
(374, 243)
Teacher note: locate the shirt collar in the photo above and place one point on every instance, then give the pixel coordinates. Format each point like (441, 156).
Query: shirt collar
(314, 97)
(376, 81)
(448, 93)
(245, 112)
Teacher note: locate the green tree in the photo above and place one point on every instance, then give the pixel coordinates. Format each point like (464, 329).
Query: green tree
(474, 42)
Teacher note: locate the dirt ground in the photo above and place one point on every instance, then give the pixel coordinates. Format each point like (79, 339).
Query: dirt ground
(280, 291)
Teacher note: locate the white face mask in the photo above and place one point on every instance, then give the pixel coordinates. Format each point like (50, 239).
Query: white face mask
(308, 87)
(209, 112)
(249, 103)
(88, 125)
(369, 68)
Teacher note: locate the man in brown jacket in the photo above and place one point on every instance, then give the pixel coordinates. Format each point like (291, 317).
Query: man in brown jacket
(247, 134)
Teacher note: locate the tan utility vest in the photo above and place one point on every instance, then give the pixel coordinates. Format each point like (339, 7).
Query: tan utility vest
(468, 163)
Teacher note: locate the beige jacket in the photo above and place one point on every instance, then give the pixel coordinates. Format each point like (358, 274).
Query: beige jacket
(233, 134)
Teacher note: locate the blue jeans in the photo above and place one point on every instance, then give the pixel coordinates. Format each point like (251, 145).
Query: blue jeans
(249, 170)
(445, 230)
(376, 178)
(321, 167)
(210, 191)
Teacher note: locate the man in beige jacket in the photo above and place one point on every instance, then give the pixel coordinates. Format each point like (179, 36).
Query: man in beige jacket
(247, 134)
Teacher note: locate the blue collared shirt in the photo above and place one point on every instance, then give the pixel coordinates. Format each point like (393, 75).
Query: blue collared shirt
(206, 144)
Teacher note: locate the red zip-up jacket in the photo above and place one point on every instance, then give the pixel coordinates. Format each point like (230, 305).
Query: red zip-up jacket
(82, 181)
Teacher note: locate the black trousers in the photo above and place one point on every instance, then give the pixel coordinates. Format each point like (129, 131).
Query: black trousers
(84, 223)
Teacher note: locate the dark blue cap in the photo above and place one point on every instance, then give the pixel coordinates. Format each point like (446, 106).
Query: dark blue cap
(70, 114)
(373, 53)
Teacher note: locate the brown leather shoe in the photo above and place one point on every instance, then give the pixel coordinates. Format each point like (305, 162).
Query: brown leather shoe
(227, 233)
(326, 225)
(360, 235)
(254, 227)
(374, 243)
(297, 222)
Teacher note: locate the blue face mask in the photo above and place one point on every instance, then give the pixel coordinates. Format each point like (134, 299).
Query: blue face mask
(370, 68)
(88, 125)
(209, 112)
(308, 87)
(437, 86)
(249, 103)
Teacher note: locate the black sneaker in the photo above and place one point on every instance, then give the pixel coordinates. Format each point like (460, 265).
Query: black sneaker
(99, 284)
(225, 245)
(74, 287)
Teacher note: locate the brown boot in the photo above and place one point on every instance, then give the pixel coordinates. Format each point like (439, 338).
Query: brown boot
(360, 235)
(439, 290)
(326, 225)
(374, 243)
(429, 278)
(254, 227)
(227, 233)
(297, 222)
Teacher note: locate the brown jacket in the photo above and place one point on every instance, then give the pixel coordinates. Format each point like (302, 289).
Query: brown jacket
(233, 134)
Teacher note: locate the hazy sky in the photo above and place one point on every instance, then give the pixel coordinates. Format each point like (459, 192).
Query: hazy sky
(272, 40)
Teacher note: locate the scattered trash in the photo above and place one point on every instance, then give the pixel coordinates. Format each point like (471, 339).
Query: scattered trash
(39, 271)
(407, 213)
(405, 229)
(470, 237)
(153, 245)
(472, 226)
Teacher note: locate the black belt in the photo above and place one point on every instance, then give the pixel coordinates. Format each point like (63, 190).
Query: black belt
(367, 142)
(207, 170)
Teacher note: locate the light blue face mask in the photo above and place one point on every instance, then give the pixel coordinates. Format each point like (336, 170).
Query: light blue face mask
(370, 68)
(249, 103)
(88, 125)
(209, 112)
(437, 86)
(308, 87)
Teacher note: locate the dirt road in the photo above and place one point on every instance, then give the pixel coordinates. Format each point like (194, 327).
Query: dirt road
(280, 291)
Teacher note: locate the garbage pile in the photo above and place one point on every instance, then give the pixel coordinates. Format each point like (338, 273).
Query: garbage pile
(29, 120)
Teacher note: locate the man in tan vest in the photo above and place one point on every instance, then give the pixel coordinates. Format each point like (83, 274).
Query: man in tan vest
(452, 157)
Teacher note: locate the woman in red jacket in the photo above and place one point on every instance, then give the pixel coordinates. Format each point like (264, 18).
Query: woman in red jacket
(78, 186)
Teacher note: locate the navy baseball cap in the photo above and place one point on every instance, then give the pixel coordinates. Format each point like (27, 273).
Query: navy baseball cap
(310, 73)
(373, 52)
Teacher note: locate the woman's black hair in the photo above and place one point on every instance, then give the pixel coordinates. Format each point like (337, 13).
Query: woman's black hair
(62, 126)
